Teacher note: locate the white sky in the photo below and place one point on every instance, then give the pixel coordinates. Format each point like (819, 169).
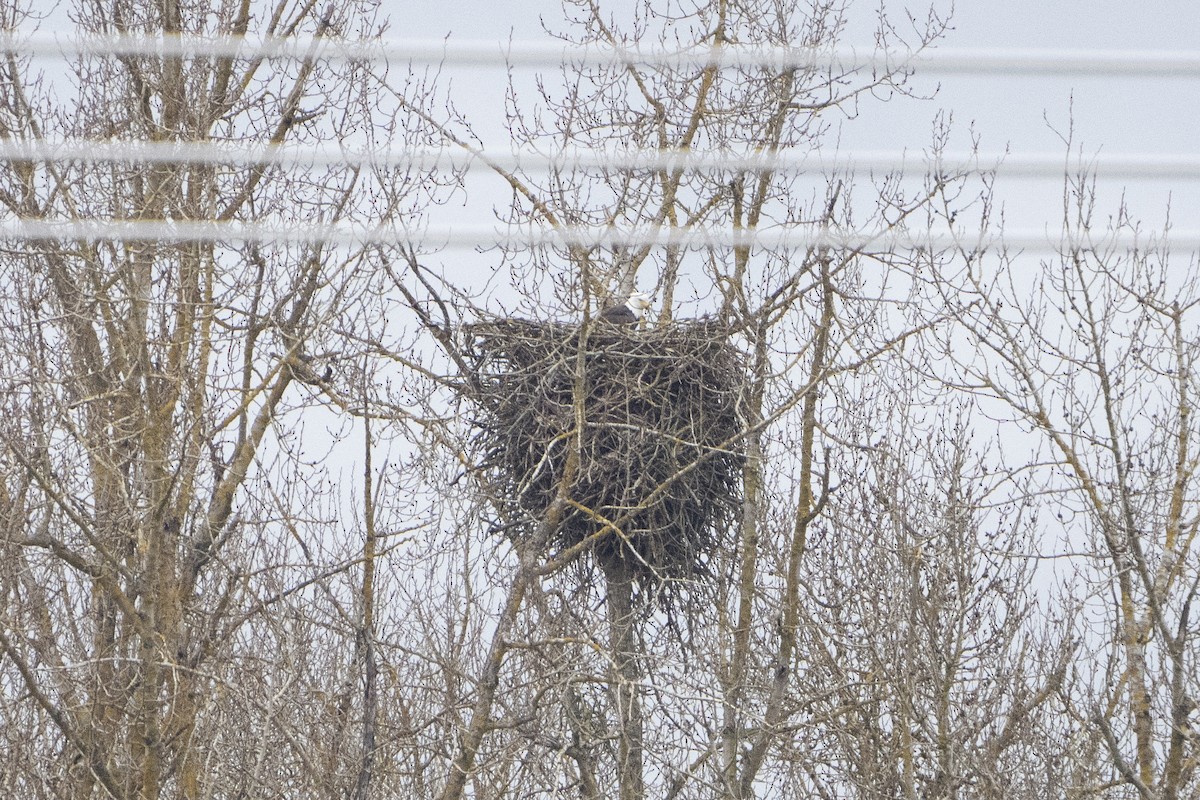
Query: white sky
(1111, 115)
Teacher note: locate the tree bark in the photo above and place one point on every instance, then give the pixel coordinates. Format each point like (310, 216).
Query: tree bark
(625, 677)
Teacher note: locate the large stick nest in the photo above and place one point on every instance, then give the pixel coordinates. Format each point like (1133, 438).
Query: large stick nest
(660, 454)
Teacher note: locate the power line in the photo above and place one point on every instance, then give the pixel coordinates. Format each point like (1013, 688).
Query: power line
(526, 53)
(462, 236)
(1134, 166)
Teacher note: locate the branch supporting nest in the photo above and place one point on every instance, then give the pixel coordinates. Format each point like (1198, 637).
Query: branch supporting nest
(660, 455)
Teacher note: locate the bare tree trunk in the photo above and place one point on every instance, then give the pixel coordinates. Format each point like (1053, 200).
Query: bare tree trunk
(366, 632)
(362, 784)
(626, 678)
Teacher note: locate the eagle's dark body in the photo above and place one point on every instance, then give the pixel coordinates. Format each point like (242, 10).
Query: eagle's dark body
(619, 315)
(627, 313)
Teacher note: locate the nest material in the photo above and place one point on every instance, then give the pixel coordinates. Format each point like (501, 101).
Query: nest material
(660, 454)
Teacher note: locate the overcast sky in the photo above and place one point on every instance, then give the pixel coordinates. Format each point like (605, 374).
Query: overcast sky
(1017, 112)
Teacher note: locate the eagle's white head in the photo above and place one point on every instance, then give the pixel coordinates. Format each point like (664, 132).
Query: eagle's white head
(638, 302)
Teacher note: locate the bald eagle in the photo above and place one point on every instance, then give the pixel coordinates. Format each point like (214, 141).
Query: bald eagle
(629, 312)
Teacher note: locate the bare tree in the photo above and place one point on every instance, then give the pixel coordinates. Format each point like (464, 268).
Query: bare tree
(162, 518)
(712, 710)
(253, 542)
(1097, 359)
